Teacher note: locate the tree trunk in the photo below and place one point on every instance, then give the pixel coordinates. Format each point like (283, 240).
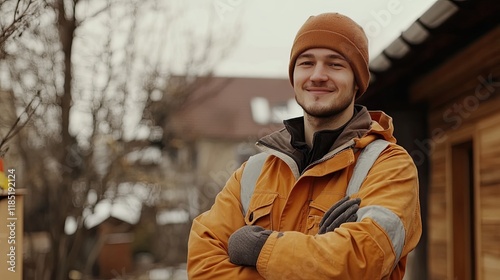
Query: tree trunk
(61, 193)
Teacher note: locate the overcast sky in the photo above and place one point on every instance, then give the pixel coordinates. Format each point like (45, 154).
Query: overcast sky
(269, 27)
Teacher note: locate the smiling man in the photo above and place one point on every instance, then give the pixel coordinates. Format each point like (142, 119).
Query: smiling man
(325, 88)
(305, 220)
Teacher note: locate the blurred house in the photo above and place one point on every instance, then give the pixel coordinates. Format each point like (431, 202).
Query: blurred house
(440, 81)
(217, 130)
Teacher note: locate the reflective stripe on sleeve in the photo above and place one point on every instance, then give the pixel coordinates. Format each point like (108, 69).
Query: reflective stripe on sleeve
(390, 222)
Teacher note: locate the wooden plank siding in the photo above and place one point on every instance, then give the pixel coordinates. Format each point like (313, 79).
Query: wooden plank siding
(488, 136)
(463, 97)
(438, 230)
(460, 74)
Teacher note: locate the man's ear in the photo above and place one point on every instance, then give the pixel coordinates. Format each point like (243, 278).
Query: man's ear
(356, 90)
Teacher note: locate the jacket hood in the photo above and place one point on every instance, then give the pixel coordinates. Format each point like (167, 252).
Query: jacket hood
(381, 127)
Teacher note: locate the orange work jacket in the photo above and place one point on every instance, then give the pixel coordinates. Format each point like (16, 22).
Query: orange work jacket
(292, 204)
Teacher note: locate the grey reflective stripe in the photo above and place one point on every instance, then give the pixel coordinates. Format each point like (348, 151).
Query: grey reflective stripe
(251, 173)
(390, 222)
(364, 163)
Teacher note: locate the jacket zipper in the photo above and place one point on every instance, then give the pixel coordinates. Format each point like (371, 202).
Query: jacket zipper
(347, 145)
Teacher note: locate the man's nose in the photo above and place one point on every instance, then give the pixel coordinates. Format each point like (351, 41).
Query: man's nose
(319, 74)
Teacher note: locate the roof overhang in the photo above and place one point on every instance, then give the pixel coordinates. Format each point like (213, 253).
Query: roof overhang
(445, 29)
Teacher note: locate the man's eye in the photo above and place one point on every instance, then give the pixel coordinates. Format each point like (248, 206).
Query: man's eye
(336, 64)
(306, 63)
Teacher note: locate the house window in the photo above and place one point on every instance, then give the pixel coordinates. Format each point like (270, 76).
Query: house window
(463, 211)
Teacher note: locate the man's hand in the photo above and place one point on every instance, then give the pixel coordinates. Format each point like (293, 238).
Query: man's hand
(244, 245)
(341, 212)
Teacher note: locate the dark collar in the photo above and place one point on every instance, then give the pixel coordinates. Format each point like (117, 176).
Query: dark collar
(322, 140)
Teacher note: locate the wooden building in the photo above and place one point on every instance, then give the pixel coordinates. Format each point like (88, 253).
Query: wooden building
(440, 80)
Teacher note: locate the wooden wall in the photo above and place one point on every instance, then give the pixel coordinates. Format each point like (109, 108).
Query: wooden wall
(488, 202)
(436, 220)
(463, 95)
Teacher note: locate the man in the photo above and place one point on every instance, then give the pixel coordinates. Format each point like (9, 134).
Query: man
(287, 232)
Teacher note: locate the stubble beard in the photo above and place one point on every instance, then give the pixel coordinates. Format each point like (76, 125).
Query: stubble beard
(325, 112)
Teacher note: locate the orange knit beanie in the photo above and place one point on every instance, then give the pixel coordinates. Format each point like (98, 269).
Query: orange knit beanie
(339, 33)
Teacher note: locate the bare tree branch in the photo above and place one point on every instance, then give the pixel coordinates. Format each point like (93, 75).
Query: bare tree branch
(27, 113)
(23, 13)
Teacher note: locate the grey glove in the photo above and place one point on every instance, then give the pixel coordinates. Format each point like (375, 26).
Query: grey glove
(245, 244)
(341, 212)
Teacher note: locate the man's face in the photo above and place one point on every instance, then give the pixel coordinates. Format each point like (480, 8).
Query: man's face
(324, 83)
